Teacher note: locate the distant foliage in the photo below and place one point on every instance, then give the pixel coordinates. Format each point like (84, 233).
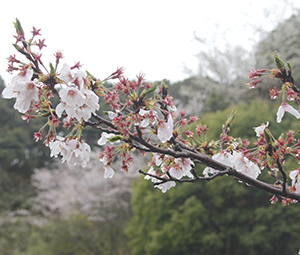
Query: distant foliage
(285, 39)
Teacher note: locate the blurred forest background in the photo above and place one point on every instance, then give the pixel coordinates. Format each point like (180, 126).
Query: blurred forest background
(51, 208)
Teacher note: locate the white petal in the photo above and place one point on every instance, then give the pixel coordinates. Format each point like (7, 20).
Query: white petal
(60, 108)
(8, 92)
(109, 172)
(292, 110)
(280, 114)
(104, 138)
(22, 103)
(66, 74)
(150, 171)
(19, 82)
(260, 129)
(102, 141)
(293, 175)
(166, 186)
(173, 108)
(209, 170)
(112, 115)
(176, 172)
(72, 96)
(143, 112)
(158, 159)
(91, 99)
(166, 132)
(145, 123)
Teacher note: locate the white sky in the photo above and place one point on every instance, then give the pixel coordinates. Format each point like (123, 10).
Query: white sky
(155, 37)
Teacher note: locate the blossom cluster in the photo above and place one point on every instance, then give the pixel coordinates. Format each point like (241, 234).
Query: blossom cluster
(142, 118)
(289, 91)
(237, 161)
(24, 89)
(77, 101)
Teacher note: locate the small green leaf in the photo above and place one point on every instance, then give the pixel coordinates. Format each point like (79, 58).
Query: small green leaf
(115, 138)
(18, 27)
(52, 70)
(146, 92)
(268, 136)
(279, 63)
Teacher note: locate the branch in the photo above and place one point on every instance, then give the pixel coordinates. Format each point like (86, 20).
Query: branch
(198, 178)
(283, 173)
(232, 172)
(265, 186)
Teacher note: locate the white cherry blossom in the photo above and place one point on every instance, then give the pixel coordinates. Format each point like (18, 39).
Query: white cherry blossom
(24, 90)
(158, 158)
(72, 96)
(79, 104)
(63, 106)
(260, 129)
(104, 138)
(146, 121)
(182, 168)
(76, 100)
(91, 99)
(165, 131)
(222, 157)
(69, 76)
(294, 175)
(172, 108)
(58, 147)
(284, 107)
(244, 165)
(72, 151)
(66, 74)
(112, 115)
(108, 171)
(208, 171)
(79, 153)
(164, 187)
(237, 161)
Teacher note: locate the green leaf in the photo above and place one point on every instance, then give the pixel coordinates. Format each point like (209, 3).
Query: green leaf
(18, 27)
(279, 63)
(146, 92)
(52, 70)
(115, 138)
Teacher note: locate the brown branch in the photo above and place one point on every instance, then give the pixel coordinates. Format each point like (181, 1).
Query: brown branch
(265, 186)
(198, 178)
(283, 173)
(103, 121)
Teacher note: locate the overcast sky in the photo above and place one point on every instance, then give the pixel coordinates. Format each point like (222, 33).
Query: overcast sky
(154, 37)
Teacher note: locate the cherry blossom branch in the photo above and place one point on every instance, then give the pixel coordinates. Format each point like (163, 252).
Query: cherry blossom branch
(103, 121)
(240, 176)
(142, 116)
(205, 160)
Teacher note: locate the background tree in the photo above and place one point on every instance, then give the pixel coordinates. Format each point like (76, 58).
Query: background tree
(221, 76)
(285, 39)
